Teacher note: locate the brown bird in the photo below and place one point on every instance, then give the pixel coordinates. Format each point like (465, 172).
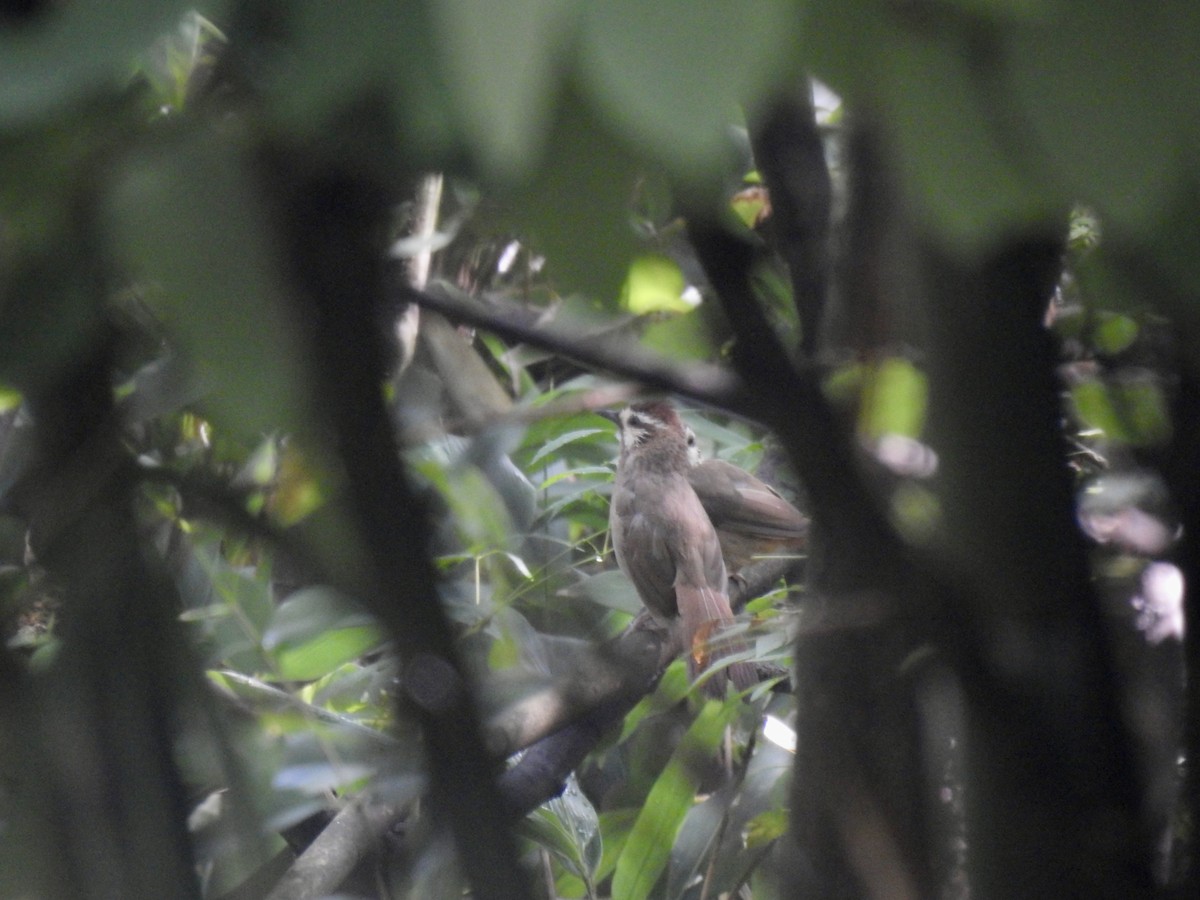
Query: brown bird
(664, 541)
(751, 518)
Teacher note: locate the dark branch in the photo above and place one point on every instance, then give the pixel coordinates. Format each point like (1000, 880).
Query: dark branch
(707, 384)
(791, 159)
(334, 225)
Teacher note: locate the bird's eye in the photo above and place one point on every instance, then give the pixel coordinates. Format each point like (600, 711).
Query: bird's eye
(636, 422)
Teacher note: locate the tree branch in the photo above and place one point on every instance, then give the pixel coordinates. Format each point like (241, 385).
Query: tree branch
(334, 223)
(791, 159)
(708, 384)
(320, 870)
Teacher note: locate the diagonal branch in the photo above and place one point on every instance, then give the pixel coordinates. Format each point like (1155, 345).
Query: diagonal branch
(712, 385)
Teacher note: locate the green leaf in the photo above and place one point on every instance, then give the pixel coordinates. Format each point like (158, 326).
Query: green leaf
(186, 220)
(615, 825)
(69, 49)
(314, 631)
(655, 283)
(502, 63)
(681, 337)
(894, 399)
(576, 211)
(331, 59)
(610, 589)
(672, 74)
(1133, 411)
(694, 841)
(1114, 332)
(1089, 86)
(228, 606)
(961, 178)
(569, 828)
(766, 827)
(649, 844)
(554, 444)
(601, 472)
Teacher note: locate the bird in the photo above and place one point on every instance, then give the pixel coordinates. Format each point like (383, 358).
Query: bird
(752, 519)
(665, 542)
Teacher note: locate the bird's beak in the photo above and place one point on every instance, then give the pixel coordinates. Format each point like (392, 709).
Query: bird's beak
(609, 414)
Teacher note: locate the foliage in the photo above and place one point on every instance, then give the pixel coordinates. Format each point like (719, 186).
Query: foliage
(201, 618)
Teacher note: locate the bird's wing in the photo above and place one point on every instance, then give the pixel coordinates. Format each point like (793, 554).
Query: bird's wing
(738, 501)
(645, 558)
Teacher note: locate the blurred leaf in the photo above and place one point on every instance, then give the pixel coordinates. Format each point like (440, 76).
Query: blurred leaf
(229, 607)
(1114, 332)
(649, 845)
(673, 74)
(69, 49)
(320, 777)
(504, 652)
(314, 631)
(915, 511)
(751, 204)
(502, 63)
(1132, 411)
(299, 486)
(479, 514)
(186, 219)
(672, 687)
(655, 283)
(577, 210)
(1089, 121)
(766, 827)
(355, 689)
(329, 59)
(681, 337)
(601, 472)
(285, 713)
(894, 399)
(942, 130)
(615, 825)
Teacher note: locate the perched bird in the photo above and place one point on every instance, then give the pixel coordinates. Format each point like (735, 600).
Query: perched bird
(664, 541)
(751, 518)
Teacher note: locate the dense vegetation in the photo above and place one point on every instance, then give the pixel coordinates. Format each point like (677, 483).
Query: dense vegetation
(306, 308)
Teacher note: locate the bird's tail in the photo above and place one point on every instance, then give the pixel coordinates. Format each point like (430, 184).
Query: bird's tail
(704, 613)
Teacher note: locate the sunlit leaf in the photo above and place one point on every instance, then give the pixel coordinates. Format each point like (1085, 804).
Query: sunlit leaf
(766, 827)
(655, 283)
(893, 400)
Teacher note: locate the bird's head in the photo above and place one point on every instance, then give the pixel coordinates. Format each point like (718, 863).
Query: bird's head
(645, 424)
